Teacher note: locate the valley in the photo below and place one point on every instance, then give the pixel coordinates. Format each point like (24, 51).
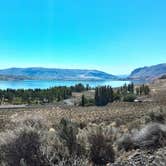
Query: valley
(119, 118)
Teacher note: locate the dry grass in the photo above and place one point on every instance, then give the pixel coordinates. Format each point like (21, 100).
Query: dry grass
(114, 120)
(126, 112)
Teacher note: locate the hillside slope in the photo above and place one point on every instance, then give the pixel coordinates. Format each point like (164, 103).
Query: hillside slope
(148, 73)
(59, 74)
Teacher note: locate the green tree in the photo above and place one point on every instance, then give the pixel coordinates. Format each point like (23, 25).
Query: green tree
(83, 101)
(103, 95)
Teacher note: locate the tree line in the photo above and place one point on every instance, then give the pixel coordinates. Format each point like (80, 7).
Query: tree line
(142, 90)
(39, 96)
(80, 87)
(127, 93)
(34, 96)
(103, 95)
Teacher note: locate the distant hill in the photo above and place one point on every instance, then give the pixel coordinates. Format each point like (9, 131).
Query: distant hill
(149, 73)
(163, 77)
(122, 77)
(54, 74)
(12, 77)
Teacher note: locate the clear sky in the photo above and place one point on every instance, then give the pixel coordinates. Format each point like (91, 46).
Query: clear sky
(115, 36)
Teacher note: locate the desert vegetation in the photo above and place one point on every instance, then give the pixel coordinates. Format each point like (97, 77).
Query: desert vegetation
(120, 133)
(34, 140)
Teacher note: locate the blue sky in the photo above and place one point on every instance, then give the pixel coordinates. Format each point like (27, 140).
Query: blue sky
(115, 36)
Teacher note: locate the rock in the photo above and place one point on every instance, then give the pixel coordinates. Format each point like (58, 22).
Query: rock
(51, 130)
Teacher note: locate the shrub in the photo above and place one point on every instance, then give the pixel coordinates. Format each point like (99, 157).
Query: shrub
(74, 161)
(86, 101)
(129, 97)
(22, 147)
(28, 120)
(90, 102)
(101, 150)
(119, 122)
(157, 117)
(67, 132)
(96, 142)
(31, 143)
(134, 125)
(125, 142)
(53, 148)
(152, 136)
(116, 97)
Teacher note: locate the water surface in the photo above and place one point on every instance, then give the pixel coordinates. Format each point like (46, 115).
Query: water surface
(43, 84)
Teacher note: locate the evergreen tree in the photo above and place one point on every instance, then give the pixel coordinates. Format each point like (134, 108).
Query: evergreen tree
(83, 100)
(103, 95)
(132, 88)
(138, 91)
(87, 87)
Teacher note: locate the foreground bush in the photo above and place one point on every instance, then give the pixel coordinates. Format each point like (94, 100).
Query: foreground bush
(101, 150)
(152, 136)
(158, 117)
(97, 142)
(73, 161)
(22, 147)
(53, 149)
(125, 143)
(67, 132)
(32, 143)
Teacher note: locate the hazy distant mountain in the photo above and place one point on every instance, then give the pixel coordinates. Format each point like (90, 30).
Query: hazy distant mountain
(123, 76)
(149, 73)
(12, 77)
(59, 74)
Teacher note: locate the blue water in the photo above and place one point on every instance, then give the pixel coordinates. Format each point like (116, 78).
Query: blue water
(43, 84)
